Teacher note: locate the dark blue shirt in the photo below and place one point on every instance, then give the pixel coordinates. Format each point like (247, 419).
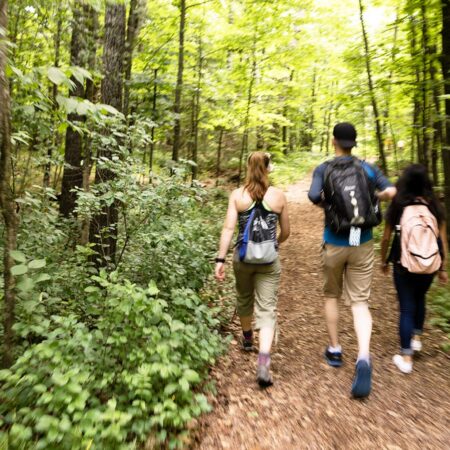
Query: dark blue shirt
(315, 195)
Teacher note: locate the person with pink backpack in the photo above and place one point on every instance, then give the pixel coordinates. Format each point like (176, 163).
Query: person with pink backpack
(419, 252)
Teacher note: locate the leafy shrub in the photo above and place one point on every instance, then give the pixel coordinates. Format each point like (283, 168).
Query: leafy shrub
(132, 372)
(107, 358)
(439, 300)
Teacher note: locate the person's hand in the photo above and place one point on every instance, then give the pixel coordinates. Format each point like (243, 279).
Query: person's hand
(443, 276)
(384, 269)
(220, 271)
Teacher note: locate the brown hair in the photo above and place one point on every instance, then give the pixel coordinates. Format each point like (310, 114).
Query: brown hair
(257, 181)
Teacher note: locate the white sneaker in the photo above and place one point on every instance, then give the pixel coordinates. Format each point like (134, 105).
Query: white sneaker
(402, 365)
(416, 345)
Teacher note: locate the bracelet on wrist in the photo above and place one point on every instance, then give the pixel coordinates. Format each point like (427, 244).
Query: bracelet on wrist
(220, 260)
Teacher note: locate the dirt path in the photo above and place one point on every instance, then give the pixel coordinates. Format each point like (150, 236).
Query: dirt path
(309, 406)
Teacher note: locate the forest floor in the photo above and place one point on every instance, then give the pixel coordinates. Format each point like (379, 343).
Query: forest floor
(309, 405)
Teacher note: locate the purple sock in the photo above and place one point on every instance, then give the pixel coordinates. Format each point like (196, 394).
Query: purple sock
(248, 335)
(264, 359)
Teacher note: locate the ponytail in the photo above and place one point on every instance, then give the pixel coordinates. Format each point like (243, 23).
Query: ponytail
(257, 181)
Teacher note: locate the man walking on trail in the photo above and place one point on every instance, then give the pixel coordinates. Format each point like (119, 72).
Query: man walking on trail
(349, 190)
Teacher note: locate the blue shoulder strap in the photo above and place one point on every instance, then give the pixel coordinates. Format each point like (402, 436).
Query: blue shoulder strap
(244, 242)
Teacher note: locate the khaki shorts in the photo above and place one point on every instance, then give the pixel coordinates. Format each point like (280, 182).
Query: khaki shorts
(257, 285)
(348, 270)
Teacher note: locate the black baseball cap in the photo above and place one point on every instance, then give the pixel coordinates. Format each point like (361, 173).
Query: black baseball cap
(345, 134)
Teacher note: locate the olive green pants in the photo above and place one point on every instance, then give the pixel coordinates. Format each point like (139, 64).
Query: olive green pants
(257, 290)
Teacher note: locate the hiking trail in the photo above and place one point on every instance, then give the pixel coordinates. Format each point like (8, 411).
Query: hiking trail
(309, 406)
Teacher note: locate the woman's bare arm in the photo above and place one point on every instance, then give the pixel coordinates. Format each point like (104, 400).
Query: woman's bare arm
(228, 226)
(227, 235)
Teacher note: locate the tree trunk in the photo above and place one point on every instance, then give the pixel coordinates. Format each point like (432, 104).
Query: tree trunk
(152, 144)
(48, 165)
(196, 112)
(284, 131)
(446, 74)
(244, 145)
(437, 122)
(104, 225)
(134, 21)
(416, 138)
(378, 124)
(219, 155)
(179, 85)
(7, 203)
(90, 94)
(311, 121)
(387, 105)
(73, 174)
(426, 113)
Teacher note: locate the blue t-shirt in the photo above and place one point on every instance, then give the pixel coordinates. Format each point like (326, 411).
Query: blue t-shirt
(315, 195)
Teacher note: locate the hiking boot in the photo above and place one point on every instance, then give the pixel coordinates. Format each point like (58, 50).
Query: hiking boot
(263, 376)
(334, 359)
(362, 380)
(402, 365)
(247, 345)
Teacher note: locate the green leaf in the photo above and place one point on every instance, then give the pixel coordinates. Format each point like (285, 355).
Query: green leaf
(36, 264)
(80, 74)
(56, 76)
(59, 379)
(44, 423)
(152, 289)
(19, 270)
(170, 389)
(21, 432)
(18, 256)
(42, 277)
(184, 384)
(191, 375)
(25, 285)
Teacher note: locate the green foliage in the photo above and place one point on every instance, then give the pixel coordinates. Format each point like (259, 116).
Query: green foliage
(107, 358)
(439, 300)
(288, 170)
(133, 371)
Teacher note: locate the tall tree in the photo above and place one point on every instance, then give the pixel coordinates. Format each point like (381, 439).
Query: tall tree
(196, 105)
(427, 130)
(48, 165)
(446, 74)
(135, 15)
(79, 55)
(373, 98)
(179, 86)
(104, 225)
(7, 202)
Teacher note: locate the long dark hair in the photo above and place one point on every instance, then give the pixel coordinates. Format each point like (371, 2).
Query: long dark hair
(413, 183)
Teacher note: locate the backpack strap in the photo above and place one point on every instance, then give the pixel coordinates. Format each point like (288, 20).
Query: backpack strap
(244, 240)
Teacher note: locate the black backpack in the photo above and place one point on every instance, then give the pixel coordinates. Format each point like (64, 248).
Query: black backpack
(350, 199)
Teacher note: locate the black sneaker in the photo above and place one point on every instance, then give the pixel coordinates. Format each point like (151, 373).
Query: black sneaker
(247, 345)
(363, 379)
(334, 359)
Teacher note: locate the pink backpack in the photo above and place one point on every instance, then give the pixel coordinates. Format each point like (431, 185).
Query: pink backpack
(419, 240)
